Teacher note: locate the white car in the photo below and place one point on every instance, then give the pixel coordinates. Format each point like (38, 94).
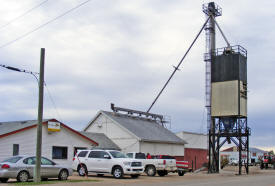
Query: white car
(234, 162)
(22, 168)
(106, 162)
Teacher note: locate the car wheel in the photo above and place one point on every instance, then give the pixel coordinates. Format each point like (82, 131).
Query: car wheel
(23, 176)
(181, 173)
(118, 172)
(150, 170)
(4, 180)
(161, 173)
(135, 175)
(82, 170)
(63, 175)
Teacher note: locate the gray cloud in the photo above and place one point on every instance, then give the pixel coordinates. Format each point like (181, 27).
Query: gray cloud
(123, 52)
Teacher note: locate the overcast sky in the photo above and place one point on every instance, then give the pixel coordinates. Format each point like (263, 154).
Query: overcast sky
(123, 51)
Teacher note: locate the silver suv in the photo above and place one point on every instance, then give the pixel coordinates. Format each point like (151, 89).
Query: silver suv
(106, 162)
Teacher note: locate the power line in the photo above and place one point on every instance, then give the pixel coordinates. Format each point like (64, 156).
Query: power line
(43, 25)
(22, 15)
(52, 100)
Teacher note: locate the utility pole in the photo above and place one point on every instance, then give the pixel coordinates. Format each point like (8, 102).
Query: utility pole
(37, 176)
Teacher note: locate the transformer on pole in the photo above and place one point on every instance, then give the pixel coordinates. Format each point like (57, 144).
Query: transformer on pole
(226, 94)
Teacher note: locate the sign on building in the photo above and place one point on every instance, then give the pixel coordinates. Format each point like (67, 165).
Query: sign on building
(53, 126)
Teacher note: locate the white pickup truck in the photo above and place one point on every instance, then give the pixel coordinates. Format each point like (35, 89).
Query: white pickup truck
(153, 166)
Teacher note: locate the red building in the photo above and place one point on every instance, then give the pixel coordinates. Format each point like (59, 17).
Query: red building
(195, 152)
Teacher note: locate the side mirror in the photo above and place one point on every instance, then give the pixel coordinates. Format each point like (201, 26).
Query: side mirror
(107, 156)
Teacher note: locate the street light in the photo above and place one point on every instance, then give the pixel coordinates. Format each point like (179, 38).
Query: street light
(21, 70)
(37, 176)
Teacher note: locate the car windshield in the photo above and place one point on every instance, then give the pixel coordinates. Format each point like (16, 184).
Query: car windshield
(13, 159)
(117, 154)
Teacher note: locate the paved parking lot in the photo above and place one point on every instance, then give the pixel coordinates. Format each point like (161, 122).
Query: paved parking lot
(227, 177)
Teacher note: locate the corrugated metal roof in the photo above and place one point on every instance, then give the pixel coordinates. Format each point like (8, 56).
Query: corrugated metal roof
(251, 149)
(145, 129)
(7, 127)
(103, 141)
(230, 149)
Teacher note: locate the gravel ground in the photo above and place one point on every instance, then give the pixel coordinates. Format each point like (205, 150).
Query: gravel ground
(226, 176)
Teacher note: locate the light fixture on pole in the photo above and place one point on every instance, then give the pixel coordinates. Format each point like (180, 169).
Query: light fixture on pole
(37, 176)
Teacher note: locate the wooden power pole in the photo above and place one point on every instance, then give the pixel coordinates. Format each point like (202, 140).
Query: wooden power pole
(37, 176)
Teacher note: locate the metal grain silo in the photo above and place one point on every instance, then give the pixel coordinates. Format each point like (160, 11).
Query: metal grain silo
(229, 82)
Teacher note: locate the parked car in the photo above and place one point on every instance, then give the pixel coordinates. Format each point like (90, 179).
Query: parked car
(233, 162)
(22, 169)
(106, 162)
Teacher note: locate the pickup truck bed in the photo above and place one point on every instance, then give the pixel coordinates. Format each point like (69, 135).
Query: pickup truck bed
(161, 164)
(183, 167)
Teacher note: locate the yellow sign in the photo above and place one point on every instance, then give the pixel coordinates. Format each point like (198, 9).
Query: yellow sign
(53, 126)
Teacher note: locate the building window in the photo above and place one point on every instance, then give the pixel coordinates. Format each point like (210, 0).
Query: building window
(15, 150)
(60, 152)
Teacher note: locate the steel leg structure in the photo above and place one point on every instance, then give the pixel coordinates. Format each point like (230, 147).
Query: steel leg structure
(227, 130)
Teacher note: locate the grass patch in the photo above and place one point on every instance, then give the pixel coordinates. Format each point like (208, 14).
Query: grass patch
(53, 182)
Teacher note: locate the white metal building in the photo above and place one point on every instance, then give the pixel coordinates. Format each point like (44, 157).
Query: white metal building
(194, 140)
(59, 141)
(136, 134)
(256, 154)
(232, 154)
